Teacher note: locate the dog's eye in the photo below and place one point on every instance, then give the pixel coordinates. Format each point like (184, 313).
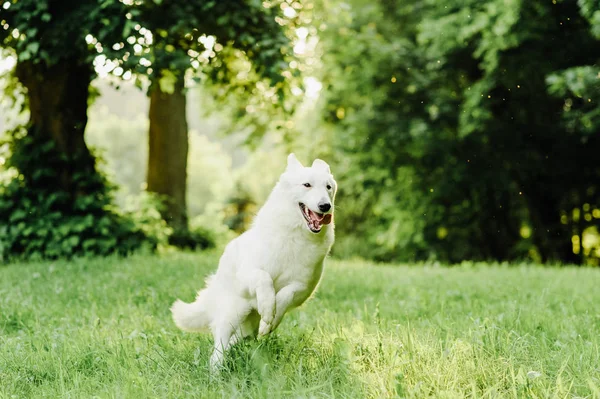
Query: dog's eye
(306, 184)
(328, 187)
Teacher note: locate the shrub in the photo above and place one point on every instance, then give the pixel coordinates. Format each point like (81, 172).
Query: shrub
(198, 238)
(38, 219)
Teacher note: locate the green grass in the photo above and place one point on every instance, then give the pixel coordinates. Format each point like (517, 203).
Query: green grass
(102, 328)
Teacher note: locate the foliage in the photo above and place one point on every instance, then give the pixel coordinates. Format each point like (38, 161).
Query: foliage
(143, 209)
(57, 205)
(40, 221)
(213, 220)
(458, 130)
(209, 175)
(240, 43)
(239, 50)
(260, 171)
(182, 33)
(379, 209)
(251, 189)
(578, 86)
(43, 31)
(240, 210)
(454, 145)
(371, 331)
(198, 238)
(249, 64)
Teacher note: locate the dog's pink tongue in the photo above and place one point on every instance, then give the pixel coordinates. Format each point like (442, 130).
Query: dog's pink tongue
(318, 219)
(315, 217)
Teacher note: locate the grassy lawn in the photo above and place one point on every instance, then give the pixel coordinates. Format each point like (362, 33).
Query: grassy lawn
(102, 328)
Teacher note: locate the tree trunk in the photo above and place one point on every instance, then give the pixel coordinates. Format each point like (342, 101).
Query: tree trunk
(168, 152)
(58, 98)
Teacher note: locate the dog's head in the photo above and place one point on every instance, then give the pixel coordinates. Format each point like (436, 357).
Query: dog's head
(312, 189)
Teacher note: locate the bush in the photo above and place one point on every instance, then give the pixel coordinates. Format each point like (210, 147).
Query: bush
(145, 211)
(198, 238)
(40, 220)
(213, 220)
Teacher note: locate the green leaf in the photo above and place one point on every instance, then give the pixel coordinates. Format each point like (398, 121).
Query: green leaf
(73, 241)
(17, 215)
(24, 55)
(167, 81)
(33, 47)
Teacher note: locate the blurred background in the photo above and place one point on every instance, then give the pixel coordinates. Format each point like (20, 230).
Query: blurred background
(457, 130)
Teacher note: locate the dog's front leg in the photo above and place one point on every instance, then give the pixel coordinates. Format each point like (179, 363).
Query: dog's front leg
(283, 300)
(265, 302)
(260, 283)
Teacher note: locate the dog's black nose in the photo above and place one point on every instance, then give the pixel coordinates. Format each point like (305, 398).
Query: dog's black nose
(324, 206)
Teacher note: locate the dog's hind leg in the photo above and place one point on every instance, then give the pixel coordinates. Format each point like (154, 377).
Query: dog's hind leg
(228, 330)
(249, 327)
(224, 338)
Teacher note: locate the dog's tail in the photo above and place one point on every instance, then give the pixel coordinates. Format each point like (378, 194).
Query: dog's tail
(195, 316)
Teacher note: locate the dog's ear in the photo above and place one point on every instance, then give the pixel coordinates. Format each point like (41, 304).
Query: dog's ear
(322, 165)
(293, 163)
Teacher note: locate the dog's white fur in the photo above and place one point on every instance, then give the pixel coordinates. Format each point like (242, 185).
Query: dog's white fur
(273, 267)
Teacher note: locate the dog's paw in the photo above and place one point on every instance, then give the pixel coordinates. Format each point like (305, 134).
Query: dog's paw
(267, 313)
(264, 328)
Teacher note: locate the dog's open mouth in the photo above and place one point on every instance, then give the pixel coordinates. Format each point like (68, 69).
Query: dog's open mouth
(314, 220)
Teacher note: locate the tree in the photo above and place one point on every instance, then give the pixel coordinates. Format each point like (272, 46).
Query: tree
(55, 66)
(168, 152)
(379, 209)
(578, 87)
(220, 41)
(460, 131)
(58, 203)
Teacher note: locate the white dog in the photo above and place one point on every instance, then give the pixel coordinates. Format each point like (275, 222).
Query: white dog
(271, 268)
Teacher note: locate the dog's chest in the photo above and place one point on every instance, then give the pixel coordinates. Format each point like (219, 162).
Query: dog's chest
(297, 263)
